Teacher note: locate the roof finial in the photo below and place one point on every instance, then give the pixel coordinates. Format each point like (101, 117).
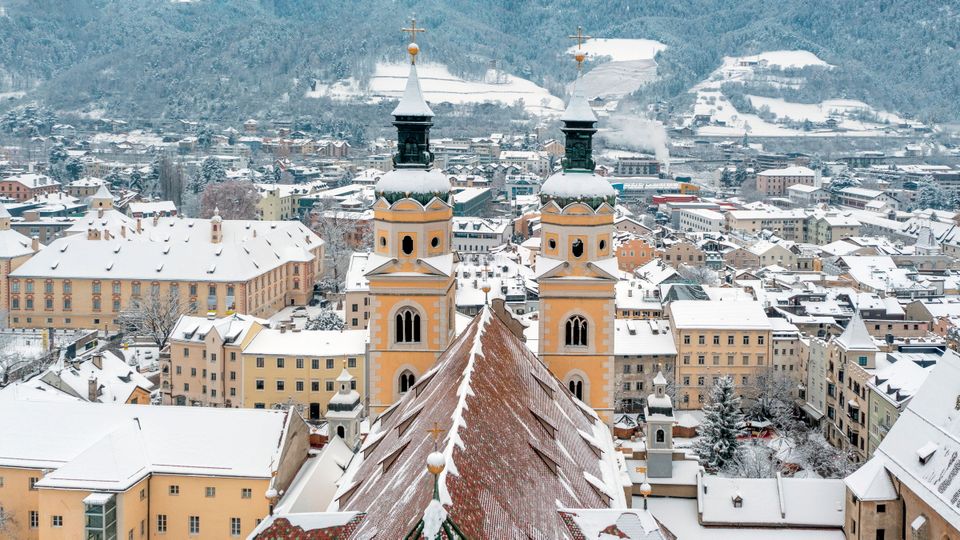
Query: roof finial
(413, 49)
(580, 55)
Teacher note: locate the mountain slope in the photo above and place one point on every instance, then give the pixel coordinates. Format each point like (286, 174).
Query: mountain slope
(228, 59)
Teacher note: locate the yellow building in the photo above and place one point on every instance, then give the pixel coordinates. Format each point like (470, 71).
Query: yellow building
(95, 471)
(577, 268)
(300, 368)
(238, 361)
(411, 270)
(15, 249)
(279, 202)
(717, 338)
(210, 265)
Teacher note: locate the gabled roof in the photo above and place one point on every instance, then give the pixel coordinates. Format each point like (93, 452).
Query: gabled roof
(558, 453)
(871, 482)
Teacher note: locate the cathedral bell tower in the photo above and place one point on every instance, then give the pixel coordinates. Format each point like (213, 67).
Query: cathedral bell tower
(577, 266)
(411, 271)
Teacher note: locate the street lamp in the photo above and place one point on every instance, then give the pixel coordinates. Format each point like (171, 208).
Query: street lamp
(645, 490)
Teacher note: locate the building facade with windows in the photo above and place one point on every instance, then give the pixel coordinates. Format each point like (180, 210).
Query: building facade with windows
(93, 470)
(210, 266)
(717, 338)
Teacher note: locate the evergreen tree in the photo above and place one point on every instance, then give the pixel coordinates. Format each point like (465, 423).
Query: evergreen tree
(73, 168)
(325, 320)
(212, 171)
(930, 194)
(114, 179)
(136, 180)
(723, 421)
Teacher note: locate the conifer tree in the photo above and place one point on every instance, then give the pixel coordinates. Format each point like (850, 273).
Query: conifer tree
(723, 421)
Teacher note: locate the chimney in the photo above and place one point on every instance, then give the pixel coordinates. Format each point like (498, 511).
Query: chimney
(100, 212)
(123, 231)
(106, 234)
(156, 219)
(98, 361)
(283, 329)
(139, 226)
(35, 243)
(93, 389)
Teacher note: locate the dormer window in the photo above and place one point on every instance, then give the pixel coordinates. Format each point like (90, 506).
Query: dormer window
(738, 501)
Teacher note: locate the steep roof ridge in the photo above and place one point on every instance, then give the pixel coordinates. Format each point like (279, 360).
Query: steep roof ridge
(463, 391)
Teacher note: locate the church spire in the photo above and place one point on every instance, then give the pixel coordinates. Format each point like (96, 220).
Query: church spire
(412, 116)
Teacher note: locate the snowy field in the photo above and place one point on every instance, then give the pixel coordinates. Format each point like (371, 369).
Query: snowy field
(441, 86)
(726, 120)
(631, 66)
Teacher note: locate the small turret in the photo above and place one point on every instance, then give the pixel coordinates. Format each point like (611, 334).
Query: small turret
(660, 421)
(344, 410)
(216, 227)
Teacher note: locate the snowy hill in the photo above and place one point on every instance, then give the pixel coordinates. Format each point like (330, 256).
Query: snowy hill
(441, 86)
(632, 65)
(715, 113)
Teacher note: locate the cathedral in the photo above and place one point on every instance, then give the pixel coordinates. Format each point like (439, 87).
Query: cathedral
(471, 434)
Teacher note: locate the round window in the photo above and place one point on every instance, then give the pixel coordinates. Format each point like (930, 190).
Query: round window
(435, 241)
(603, 245)
(407, 245)
(577, 248)
(552, 243)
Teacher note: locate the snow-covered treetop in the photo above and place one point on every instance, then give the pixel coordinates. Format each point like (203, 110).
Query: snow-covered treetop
(412, 102)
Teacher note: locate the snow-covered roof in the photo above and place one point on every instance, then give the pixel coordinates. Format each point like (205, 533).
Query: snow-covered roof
(578, 110)
(855, 336)
(788, 171)
(574, 184)
(115, 379)
(412, 102)
(720, 314)
(413, 181)
(270, 341)
(793, 502)
(643, 337)
(871, 482)
(105, 447)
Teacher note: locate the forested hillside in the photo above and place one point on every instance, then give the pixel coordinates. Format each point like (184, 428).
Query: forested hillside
(229, 59)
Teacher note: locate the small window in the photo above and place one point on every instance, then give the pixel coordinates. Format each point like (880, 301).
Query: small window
(211, 492)
(56, 521)
(383, 241)
(435, 241)
(881, 508)
(246, 493)
(174, 489)
(603, 245)
(552, 243)
(406, 245)
(577, 248)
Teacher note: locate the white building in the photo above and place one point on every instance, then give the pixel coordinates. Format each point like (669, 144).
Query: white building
(479, 235)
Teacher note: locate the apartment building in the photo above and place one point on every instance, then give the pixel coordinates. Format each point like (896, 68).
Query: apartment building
(642, 348)
(26, 186)
(700, 220)
(774, 182)
(787, 224)
(851, 361)
(92, 470)
(718, 338)
(356, 293)
(211, 266)
(283, 368)
(239, 361)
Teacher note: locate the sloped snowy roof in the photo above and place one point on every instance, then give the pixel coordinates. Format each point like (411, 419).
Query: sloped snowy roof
(871, 482)
(855, 336)
(412, 102)
(486, 382)
(578, 110)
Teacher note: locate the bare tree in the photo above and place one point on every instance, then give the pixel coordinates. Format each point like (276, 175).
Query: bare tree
(171, 181)
(342, 235)
(755, 459)
(701, 275)
(7, 523)
(235, 200)
(154, 316)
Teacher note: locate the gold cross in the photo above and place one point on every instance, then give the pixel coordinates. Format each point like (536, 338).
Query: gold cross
(413, 30)
(581, 38)
(436, 432)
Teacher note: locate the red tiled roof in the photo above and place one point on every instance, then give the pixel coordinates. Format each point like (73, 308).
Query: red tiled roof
(507, 471)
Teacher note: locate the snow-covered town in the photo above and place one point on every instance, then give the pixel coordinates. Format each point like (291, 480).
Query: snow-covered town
(734, 314)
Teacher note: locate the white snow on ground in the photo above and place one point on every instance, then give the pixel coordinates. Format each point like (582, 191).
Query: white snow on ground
(726, 120)
(787, 59)
(441, 86)
(631, 66)
(621, 50)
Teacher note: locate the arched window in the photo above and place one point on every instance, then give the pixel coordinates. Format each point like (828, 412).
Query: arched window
(407, 326)
(660, 435)
(576, 388)
(577, 248)
(341, 433)
(576, 331)
(407, 245)
(406, 381)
